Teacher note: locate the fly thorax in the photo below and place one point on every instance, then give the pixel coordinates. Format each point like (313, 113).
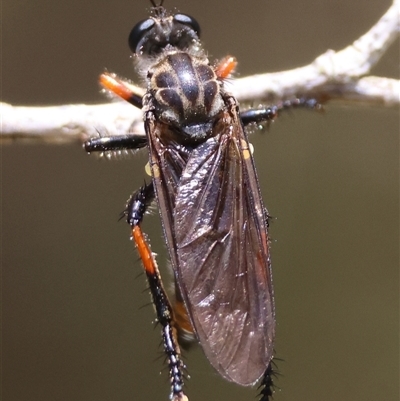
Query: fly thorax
(186, 93)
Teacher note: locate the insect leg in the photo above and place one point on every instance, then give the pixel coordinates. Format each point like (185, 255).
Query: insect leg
(131, 94)
(267, 384)
(267, 114)
(225, 67)
(122, 89)
(186, 334)
(115, 143)
(137, 206)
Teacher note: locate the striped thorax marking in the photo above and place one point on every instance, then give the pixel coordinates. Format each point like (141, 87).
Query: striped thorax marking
(186, 91)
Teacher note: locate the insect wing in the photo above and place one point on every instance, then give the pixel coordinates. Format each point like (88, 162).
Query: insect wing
(167, 161)
(223, 259)
(216, 230)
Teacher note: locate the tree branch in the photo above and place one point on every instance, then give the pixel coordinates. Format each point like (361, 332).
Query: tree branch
(332, 76)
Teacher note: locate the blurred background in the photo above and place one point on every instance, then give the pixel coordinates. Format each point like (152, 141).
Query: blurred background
(76, 325)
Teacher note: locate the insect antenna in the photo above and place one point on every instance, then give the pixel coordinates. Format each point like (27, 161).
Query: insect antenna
(158, 9)
(157, 5)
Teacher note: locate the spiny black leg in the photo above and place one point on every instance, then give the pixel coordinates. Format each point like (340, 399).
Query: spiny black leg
(270, 113)
(258, 115)
(267, 384)
(113, 143)
(136, 208)
(138, 204)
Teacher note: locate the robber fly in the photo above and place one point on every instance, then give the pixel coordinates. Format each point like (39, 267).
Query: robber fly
(205, 183)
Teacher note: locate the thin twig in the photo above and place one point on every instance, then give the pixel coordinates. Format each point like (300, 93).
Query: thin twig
(333, 75)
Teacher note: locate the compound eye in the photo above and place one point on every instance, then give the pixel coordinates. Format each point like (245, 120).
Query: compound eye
(138, 32)
(189, 21)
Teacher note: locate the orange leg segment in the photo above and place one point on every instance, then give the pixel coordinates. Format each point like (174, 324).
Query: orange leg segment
(122, 89)
(225, 67)
(144, 251)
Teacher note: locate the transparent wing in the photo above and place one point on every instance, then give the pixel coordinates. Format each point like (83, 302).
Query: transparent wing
(222, 256)
(167, 160)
